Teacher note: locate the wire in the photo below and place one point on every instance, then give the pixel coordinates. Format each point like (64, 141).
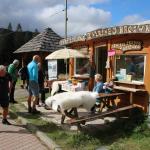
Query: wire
(57, 13)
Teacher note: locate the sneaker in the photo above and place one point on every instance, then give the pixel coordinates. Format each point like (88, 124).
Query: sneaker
(22, 86)
(5, 121)
(29, 110)
(15, 102)
(34, 111)
(43, 105)
(47, 107)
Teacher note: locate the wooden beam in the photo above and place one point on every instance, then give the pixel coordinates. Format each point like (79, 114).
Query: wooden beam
(97, 116)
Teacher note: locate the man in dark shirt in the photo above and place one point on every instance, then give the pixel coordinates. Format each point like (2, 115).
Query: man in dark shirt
(5, 87)
(92, 70)
(41, 85)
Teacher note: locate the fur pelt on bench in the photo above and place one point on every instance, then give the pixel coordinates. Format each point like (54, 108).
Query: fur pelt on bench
(68, 100)
(56, 88)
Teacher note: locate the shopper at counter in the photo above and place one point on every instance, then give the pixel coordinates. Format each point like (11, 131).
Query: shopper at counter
(92, 70)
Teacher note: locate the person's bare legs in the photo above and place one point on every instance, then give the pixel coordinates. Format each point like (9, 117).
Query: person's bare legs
(35, 100)
(29, 103)
(34, 111)
(5, 114)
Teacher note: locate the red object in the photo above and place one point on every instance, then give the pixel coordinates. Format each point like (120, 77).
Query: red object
(111, 52)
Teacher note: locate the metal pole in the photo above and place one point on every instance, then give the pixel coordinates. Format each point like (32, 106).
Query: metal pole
(66, 19)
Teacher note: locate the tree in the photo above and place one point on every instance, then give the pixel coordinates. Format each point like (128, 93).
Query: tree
(27, 36)
(9, 26)
(19, 28)
(36, 30)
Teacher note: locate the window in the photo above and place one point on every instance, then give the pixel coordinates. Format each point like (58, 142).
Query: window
(81, 66)
(130, 67)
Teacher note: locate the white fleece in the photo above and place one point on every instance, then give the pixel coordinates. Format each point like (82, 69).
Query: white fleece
(68, 100)
(55, 88)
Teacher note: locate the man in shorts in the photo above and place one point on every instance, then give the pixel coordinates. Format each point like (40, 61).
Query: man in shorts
(13, 71)
(5, 88)
(33, 86)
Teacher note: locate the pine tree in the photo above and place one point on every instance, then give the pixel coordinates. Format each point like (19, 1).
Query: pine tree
(19, 28)
(36, 30)
(9, 26)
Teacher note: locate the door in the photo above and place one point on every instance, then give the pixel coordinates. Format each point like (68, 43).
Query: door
(100, 59)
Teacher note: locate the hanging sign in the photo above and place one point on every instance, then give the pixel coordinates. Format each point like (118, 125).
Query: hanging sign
(128, 45)
(52, 69)
(111, 52)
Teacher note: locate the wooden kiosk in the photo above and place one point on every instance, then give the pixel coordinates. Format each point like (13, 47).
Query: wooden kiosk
(121, 51)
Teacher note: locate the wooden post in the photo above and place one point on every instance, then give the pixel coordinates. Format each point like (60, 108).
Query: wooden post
(71, 67)
(92, 62)
(108, 69)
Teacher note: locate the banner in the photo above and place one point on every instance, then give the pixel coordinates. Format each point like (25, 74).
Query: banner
(52, 69)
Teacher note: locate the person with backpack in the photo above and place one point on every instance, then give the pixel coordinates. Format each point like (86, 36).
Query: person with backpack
(23, 73)
(41, 78)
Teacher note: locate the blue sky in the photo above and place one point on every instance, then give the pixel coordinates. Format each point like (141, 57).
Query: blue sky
(83, 15)
(122, 8)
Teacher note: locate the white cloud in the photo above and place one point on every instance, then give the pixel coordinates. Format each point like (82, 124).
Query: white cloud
(87, 2)
(81, 19)
(131, 19)
(40, 14)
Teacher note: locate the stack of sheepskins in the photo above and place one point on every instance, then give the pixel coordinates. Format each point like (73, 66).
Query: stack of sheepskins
(68, 100)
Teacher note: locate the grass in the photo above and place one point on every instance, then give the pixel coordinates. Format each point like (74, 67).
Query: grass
(122, 134)
(67, 139)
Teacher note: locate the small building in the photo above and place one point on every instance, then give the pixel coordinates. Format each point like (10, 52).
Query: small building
(43, 44)
(121, 51)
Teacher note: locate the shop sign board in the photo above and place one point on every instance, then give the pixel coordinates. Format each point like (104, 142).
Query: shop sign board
(52, 69)
(106, 32)
(126, 29)
(128, 45)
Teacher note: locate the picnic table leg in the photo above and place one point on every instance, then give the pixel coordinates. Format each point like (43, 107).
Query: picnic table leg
(71, 114)
(68, 114)
(76, 114)
(63, 118)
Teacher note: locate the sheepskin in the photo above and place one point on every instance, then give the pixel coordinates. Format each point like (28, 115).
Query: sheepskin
(68, 100)
(56, 87)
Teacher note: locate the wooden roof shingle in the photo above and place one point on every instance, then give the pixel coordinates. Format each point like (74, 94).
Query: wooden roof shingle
(46, 41)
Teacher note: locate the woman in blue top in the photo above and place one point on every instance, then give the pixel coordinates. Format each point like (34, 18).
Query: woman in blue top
(98, 86)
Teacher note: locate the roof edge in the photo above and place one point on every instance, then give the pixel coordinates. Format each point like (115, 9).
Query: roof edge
(106, 32)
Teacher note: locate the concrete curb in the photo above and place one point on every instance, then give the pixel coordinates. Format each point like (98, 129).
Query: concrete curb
(42, 136)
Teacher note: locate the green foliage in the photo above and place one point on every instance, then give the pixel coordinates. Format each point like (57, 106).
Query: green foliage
(9, 26)
(19, 28)
(11, 41)
(123, 134)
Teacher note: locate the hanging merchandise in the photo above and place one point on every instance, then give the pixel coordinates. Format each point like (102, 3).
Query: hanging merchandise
(111, 52)
(107, 63)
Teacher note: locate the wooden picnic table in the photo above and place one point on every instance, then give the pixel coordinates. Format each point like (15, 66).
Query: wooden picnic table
(107, 98)
(130, 90)
(109, 95)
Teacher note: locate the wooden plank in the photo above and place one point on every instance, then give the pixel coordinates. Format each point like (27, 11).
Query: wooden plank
(103, 95)
(97, 116)
(127, 82)
(128, 89)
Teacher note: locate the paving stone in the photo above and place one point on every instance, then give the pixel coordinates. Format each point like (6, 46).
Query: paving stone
(16, 137)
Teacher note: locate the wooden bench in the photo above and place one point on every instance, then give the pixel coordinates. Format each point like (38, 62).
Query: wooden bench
(107, 98)
(99, 115)
(73, 113)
